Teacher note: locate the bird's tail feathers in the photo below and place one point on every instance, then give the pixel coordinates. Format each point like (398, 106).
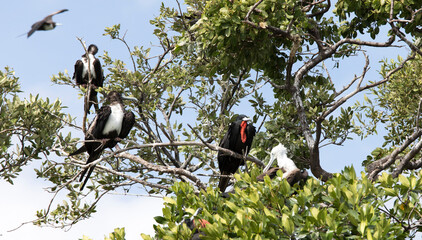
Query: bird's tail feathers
(89, 170)
(224, 182)
(86, 178)
(23, 34)
(79, 151)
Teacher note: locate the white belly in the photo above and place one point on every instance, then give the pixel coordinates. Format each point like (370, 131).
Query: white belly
(91, 66)
(115, 120)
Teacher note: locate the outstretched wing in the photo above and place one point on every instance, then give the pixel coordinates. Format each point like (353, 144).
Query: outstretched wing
(35, 27)
(49, 17)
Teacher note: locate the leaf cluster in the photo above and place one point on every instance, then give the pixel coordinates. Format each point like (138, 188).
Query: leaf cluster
(343, 207)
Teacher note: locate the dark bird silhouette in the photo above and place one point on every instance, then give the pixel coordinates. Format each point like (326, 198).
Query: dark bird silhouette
(46, 24)
(290, 171)
(238, 138)
(110, 126)
(81, 75)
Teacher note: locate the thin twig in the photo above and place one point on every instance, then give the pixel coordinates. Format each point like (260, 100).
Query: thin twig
(88, 93)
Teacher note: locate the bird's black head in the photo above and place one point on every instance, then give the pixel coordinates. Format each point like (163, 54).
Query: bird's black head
(93, 49)
(242, 117)
(114, 96)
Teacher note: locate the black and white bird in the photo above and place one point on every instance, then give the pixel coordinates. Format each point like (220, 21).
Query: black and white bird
(81, 74)
(46, 24)
(111, 124)
(290, 171)
(238, 139)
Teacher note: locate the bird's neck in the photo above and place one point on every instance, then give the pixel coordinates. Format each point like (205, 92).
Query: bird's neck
(243, 126)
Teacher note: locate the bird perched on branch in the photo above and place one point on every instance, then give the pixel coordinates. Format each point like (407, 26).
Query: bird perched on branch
(290, 171)
(82, 71)
(46, 24)
(110, 126)
(238, 139)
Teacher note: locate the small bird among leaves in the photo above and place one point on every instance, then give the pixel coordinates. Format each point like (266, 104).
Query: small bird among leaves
(196, 225)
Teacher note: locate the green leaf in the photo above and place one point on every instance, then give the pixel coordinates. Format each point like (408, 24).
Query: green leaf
(404, 181)
(314, 212)
(287, 224)
(160, 219)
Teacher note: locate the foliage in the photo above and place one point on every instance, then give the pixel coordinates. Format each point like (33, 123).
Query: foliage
(23, 135)
(395, 105)
(344, 207)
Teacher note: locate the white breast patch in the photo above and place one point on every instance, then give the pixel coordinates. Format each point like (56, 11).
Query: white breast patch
(91, 63)
(115, 120)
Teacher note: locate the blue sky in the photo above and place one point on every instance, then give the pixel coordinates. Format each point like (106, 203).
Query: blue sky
(36, 59)
(46, 53)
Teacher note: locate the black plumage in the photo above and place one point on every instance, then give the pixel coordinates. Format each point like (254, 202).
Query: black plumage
(46, 24)
(81, 74)
(238, 139)
(110, 125)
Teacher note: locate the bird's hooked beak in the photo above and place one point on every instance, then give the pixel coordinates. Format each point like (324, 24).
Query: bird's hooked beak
(59, 24)
(269, 163)
(246, 119)
(198, 211)
(130, 98)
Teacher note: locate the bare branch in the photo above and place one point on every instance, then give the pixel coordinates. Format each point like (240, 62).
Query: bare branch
(418, 115)
(88, 93)
(399, 33)
(409, 156)
(324, 10)
(377, 166)
(252, 9)
(164, 169)
(158, 66)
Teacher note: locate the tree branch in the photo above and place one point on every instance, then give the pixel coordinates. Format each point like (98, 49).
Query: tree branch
(377, 166)
(164, 169)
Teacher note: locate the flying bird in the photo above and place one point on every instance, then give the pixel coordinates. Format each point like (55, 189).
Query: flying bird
(46, 24)
(290, 171)
(238, 139)
(81, 74)
(111, 124)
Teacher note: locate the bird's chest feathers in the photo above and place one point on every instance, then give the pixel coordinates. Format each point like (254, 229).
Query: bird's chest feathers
(48, 26)
(114, 121)
(91, 66)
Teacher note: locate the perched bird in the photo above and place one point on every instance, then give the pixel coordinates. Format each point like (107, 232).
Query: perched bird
(192, 224)
(238, 139)
(81, 75)
(46, 24)
(290, 171)
(110, 125)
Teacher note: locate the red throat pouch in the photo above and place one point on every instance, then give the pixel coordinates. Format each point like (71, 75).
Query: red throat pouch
(243, 126)
(203, 223)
